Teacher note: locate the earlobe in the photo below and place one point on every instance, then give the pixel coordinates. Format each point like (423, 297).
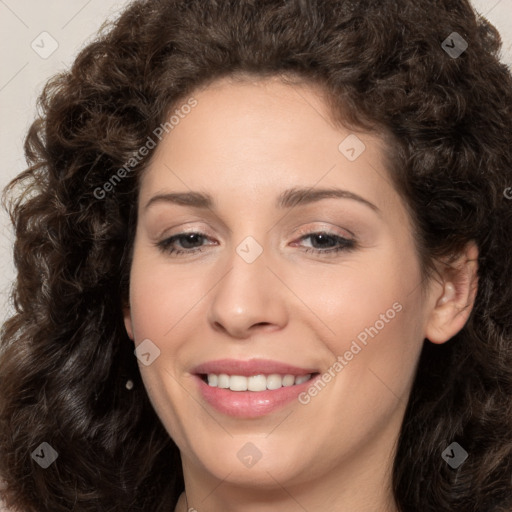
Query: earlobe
(454, 305)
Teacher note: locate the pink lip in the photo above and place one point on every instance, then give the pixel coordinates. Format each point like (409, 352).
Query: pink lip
(251, 367)
(250, 404)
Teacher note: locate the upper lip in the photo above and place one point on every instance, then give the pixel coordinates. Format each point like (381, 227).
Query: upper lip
(250, 367)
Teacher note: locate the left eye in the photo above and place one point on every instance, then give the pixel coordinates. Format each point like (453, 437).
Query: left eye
(192, 242)
(329, 241)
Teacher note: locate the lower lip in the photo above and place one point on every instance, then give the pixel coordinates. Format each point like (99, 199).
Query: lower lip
(251, 404)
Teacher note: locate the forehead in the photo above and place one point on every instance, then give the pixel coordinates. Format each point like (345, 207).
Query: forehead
(249, 139)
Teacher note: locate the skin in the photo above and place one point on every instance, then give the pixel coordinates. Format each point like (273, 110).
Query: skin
(244, 143)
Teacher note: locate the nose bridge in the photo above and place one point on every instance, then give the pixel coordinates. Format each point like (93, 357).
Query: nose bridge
(247, 295)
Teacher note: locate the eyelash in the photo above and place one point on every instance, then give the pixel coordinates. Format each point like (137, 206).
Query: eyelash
(345, 244)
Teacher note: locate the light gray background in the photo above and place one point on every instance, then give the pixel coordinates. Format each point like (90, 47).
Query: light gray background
(73, 23)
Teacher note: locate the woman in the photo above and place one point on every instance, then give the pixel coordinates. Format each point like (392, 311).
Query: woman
(263, 264)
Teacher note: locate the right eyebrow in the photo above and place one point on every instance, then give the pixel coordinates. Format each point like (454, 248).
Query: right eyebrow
(194, 199)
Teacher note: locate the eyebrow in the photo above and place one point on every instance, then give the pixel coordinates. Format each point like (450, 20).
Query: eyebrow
(287, 199)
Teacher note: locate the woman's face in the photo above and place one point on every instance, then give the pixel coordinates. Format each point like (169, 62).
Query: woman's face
(273, 281)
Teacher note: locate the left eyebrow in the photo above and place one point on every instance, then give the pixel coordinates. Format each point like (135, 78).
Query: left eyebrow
(301, 196)
(287, 199)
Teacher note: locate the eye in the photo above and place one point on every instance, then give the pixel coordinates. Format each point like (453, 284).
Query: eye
(188, 241)
(327, 243)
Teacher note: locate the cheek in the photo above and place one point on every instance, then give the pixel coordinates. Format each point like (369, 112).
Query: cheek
(373, 344)
(160, 296)
(370, 313)
(356, 295)
(162, 304)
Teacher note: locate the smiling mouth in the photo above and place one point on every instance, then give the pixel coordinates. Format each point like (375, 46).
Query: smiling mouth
(254, 383)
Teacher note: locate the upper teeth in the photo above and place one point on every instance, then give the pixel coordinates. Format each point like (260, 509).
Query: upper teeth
(254, 382)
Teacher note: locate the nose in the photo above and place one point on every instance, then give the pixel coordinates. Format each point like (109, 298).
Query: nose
(249, 298)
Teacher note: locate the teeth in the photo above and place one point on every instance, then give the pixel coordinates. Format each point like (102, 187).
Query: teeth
(290, 380)
(223, 381)
(302, 378)
(255, 382)
(237, 383)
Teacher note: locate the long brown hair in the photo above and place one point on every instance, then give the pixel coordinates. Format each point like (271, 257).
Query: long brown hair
(386, 67)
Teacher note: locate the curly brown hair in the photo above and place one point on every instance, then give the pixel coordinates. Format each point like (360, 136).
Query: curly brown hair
(65, 353)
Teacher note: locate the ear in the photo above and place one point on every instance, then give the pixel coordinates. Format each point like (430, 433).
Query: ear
(454, 297)
(127, 317)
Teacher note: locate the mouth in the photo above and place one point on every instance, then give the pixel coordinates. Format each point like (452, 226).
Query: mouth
(254, 383)
(251, 389)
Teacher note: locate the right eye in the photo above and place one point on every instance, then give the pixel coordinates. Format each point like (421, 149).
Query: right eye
(187, 242)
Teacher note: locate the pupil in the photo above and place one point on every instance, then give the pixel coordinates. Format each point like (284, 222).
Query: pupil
(190, 239)
(324, 238)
